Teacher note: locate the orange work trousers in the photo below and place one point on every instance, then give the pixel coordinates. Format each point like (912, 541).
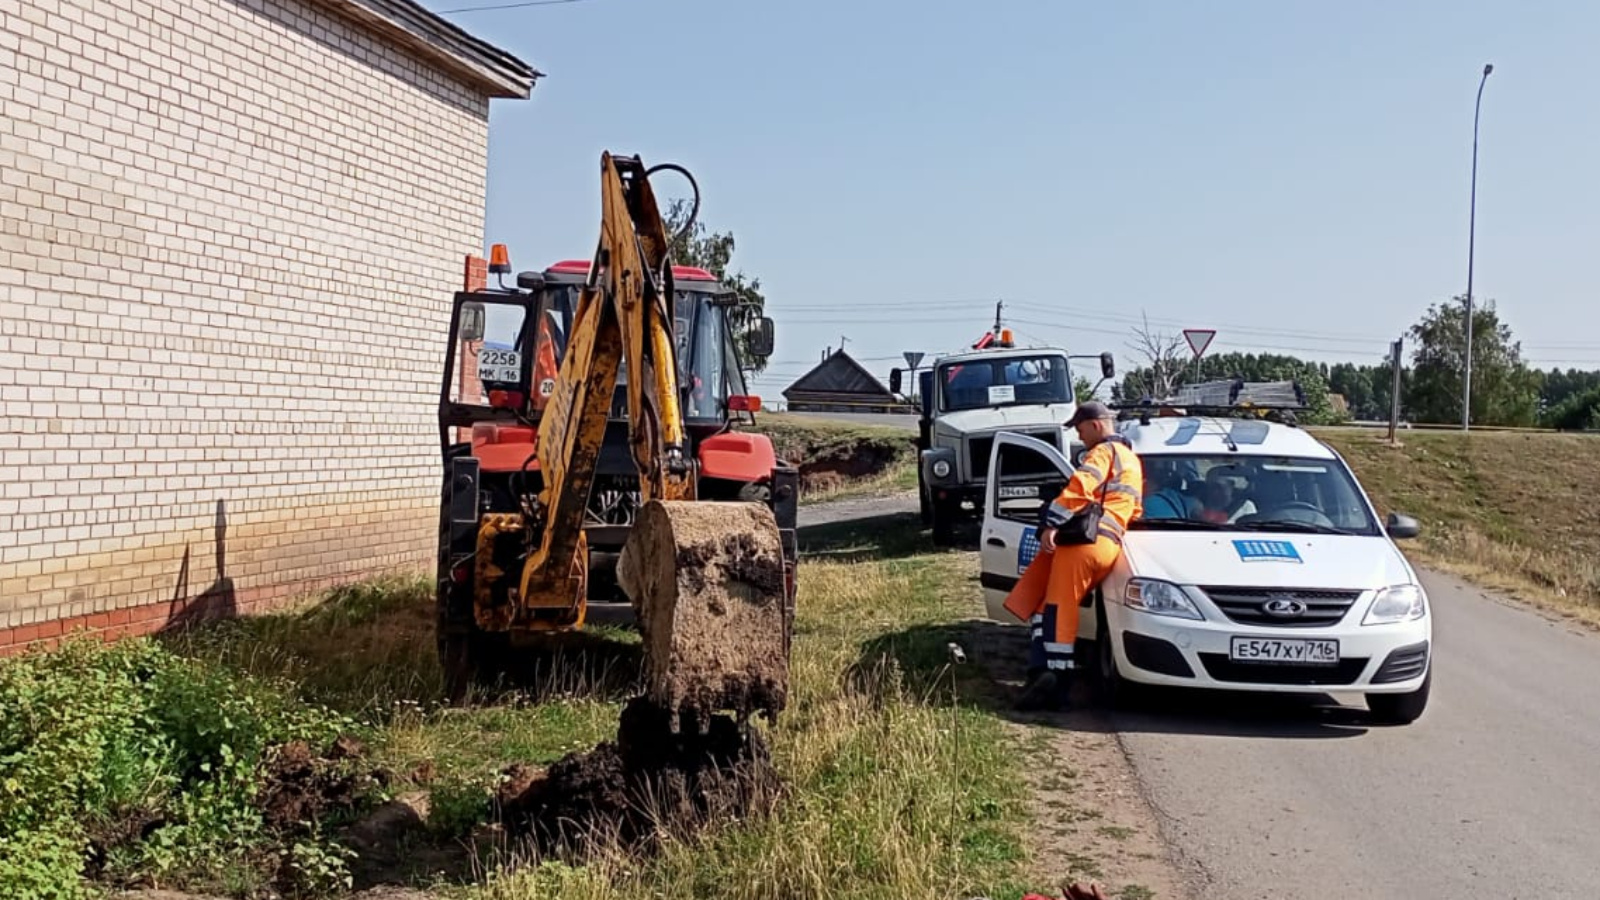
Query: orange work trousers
(1048, 594)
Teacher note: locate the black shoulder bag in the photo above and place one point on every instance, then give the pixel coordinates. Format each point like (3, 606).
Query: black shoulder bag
(1084, 526)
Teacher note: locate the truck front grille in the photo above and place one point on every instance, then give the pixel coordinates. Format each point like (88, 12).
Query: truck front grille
(979, 448)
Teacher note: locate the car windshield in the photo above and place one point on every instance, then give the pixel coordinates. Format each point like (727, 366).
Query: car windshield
(1005, 381)
(1252, 493)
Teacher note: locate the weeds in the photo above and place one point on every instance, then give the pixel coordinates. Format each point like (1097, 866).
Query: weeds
(128, 761)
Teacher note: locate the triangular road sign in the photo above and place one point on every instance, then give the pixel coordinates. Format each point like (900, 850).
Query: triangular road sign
(913, 358)
(1199, 339)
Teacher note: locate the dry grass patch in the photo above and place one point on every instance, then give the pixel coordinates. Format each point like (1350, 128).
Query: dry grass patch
(842, 459)
(1513, 511)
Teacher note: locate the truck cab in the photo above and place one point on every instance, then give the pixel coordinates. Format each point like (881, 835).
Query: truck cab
(966, 399)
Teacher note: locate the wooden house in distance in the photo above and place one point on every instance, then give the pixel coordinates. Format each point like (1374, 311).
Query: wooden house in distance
(840, 384)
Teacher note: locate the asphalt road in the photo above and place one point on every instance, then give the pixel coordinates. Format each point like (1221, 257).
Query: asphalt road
(1493, 793)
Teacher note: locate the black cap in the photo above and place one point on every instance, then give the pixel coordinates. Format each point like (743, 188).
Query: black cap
(1092, 409)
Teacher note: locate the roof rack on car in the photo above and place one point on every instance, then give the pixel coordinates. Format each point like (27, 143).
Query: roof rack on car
(1276, 401)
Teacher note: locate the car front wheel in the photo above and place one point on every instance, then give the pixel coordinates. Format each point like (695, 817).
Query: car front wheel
(1111, 689)
(1401, 709)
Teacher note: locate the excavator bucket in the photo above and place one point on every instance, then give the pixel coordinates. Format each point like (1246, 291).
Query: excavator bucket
(706, 580)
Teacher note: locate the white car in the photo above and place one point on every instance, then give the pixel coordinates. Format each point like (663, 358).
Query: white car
(1264, 568)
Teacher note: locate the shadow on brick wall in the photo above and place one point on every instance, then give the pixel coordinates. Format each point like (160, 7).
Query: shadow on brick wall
(219, 601)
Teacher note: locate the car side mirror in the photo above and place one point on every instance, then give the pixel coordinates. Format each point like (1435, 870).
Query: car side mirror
(472, 322)
(532, 282)
(1402, 527)
(761, 338)
(1108, 365)
(896, 381)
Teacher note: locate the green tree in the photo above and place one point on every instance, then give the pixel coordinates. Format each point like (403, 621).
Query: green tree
(1504, 390)
(713, 251)
(1084, 388)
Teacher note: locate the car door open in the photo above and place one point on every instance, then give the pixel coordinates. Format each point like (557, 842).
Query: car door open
(1024, 474)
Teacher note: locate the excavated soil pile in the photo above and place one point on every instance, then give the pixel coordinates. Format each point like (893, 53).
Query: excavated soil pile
(707, 582)
(654, 779)
(301, 786)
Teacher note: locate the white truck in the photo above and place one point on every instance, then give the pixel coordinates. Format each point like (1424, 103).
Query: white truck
(969, 397)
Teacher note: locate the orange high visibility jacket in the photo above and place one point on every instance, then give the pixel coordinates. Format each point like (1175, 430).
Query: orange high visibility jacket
(1110, 464)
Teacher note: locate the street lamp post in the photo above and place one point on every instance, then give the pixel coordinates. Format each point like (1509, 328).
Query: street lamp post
(1472, 227)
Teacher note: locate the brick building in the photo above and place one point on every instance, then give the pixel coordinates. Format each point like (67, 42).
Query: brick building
(229, 234)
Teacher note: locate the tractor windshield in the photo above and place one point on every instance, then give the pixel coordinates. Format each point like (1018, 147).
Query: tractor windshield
(708, 366)
(707, 363)
(1005, 381)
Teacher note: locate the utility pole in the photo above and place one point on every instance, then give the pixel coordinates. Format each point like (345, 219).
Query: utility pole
(1472, 226)
(1394, 391)
(998, 305)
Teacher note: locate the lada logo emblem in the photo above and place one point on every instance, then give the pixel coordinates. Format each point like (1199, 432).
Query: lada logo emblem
(1284, 607)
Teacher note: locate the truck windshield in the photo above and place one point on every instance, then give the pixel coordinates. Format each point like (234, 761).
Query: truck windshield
(1252, 493)
(1005, 381)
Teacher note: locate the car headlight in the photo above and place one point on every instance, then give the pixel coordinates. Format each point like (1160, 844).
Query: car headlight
(1162, 598)
(941, 468)
(1397, 603)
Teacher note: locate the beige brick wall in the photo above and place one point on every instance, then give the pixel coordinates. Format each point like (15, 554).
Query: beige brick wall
(212, 214)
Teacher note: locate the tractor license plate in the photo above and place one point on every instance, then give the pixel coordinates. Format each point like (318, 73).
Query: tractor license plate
(1018, 491)
(1302, 651)
(499, 365)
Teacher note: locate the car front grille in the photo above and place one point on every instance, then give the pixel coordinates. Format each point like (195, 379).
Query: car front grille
(979, 448)
(1249, 605)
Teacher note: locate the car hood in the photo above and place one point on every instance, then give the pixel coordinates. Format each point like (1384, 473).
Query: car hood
(1006, 417)
(1251, 558)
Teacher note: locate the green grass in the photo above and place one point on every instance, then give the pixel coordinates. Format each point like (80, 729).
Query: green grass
(890, 790)
(1509, 510)
(884, 801)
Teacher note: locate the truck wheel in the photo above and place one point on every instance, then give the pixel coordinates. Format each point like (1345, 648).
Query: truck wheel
(1401, 709)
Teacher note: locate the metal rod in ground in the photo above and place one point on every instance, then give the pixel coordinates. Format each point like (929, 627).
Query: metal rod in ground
(957, 657)
(1394, 392)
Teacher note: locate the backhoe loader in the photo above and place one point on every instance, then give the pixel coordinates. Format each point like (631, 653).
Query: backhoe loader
(608, 452)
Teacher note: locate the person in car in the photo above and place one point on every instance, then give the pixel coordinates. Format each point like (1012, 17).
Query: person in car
(1222, 501)
(1165, 480)
(1050, 589)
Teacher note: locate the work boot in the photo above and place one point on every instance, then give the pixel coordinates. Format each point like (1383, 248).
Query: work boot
(1043, 691)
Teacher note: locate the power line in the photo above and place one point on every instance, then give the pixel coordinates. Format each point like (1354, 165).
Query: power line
(519, 5)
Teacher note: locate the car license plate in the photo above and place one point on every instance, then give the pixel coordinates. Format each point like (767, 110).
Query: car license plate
(1018, 491)
(1304, 651)
(499, 365)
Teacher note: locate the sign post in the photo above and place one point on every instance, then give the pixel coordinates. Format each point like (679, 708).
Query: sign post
(1199, 339)
(913, 359)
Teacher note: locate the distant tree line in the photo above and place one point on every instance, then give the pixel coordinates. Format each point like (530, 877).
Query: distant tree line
(1505, 390)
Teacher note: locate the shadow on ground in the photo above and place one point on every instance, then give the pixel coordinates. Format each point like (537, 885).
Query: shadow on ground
(879, 537)
(996, 660)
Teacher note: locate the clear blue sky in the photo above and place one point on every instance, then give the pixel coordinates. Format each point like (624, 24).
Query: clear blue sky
(1293, 174)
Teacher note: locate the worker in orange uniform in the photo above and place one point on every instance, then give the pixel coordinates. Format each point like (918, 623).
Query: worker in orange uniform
(1049, 592)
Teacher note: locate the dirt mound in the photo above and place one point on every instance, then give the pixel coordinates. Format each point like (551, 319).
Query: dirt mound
(658, 776)
(299, 786)
(707, 581)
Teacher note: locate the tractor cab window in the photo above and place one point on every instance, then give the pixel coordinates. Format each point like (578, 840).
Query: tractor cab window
(1005, 381)
(706, 364)
(489, 351)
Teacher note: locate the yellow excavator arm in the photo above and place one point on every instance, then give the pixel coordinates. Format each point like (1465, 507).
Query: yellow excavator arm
(706, 579)
(623, 313)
